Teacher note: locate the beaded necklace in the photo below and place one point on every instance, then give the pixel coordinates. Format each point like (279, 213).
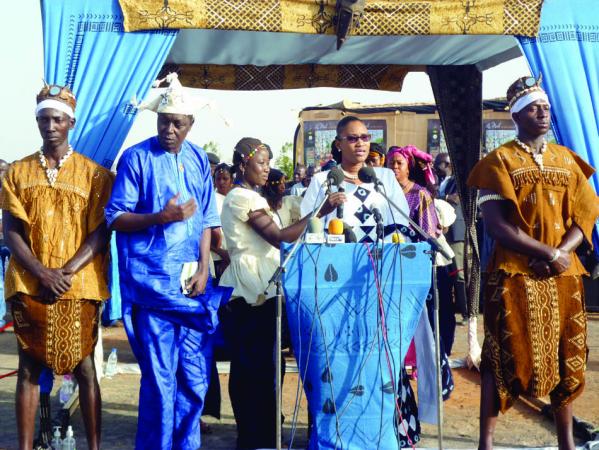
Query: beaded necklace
(52, 174)
(537, 157)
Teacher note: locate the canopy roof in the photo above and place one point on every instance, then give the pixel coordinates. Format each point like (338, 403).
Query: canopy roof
(278, 44)
(267, 48)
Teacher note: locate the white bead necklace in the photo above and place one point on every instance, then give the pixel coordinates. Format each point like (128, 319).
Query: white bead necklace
(348, 175)
(52, 174)
(537, 157)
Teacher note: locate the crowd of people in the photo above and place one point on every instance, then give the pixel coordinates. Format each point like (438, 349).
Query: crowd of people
(198, 241)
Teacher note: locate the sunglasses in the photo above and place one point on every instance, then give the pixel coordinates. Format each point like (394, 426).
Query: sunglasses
(352, 138)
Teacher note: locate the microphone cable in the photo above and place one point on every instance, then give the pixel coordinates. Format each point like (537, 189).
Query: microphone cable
(302, 375)
(388, 351)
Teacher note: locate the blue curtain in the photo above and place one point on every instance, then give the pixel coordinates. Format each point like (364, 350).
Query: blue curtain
(85, 47)
(566, 52)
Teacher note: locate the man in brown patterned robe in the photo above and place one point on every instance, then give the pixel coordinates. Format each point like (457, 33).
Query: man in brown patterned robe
(538, 206)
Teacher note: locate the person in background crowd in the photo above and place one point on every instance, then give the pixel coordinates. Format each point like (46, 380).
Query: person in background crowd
(448, 191)
(538, 205)
(285, 208)
(299, 188)
(214, 161)
(376, 156)
(299, 173)
(163, 208)
(53, 214)
(223, 179)
(253, 240)
(219, 260)
(328, 165)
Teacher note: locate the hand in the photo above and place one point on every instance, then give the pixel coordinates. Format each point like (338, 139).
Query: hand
(174, 212)
(335, 199)
(540, 267)
(54, 283)
(562, 263)
(196, 285)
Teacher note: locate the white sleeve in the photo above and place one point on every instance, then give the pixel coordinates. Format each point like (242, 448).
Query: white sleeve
(394, 192)
(313, 195)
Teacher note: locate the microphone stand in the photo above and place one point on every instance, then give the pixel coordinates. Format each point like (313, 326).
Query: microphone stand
(276, 280)
(435, 247)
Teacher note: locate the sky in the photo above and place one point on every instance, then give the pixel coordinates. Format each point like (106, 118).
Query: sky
(268, 115)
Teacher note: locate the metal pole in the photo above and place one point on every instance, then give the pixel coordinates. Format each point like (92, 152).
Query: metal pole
(278, 363)
(437, 353)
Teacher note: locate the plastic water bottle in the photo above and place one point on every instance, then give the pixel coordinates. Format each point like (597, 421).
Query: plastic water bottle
(68, 443)
(66, 388)
(111, 364)
(56, 442)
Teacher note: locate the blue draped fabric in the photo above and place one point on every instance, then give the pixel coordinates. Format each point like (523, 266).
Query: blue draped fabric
(85, 47)
(349, 374)
(566, 52)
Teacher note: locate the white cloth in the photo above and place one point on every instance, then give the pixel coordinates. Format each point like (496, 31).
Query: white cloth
(253, 260)
(220, 199)
(54, 104)
(446, 214)
(290, 211)
(297, 189)
(361, 200)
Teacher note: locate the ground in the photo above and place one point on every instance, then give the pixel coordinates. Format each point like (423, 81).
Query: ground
(523, 426)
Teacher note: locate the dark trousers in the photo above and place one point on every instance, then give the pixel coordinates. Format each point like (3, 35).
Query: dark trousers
(250, 332)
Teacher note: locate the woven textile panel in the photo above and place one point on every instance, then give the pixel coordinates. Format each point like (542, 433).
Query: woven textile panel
(381, 17)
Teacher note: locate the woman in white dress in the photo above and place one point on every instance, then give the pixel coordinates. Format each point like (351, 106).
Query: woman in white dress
(253, 240)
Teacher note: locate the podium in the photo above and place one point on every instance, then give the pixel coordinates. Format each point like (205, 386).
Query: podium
(350, 342)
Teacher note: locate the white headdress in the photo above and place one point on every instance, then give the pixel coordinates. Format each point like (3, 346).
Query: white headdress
(174, 100)
(171, 101)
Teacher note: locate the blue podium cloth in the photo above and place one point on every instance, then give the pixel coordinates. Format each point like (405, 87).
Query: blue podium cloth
(85, 46)
(350, 367)
(566, 52)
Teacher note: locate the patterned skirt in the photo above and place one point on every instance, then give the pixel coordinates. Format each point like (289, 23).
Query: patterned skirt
(535, 337)
(59, 334)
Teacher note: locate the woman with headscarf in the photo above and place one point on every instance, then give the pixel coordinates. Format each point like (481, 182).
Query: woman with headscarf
(413, 171)
(253, 240)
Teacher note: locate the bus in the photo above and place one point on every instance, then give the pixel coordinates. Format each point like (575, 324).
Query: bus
(391, 124)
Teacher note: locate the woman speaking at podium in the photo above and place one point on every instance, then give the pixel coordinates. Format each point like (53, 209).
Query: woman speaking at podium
(350, 149)
(253, 240)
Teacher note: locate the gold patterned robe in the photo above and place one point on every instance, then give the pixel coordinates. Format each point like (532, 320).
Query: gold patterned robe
(56, 221)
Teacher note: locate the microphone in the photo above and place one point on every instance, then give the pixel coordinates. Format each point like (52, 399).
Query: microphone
(335, 177)
(368, 175)
(338, 176)
(315, 232)
(348, 233)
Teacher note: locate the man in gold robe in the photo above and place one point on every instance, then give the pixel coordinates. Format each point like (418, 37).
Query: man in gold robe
(53, 215)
